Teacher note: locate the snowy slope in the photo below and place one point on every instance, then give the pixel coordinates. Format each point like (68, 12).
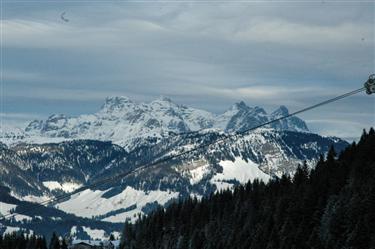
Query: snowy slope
(6, 207)
(238, 170)
(132, 202)
(52, 169)
(30, 218)
(255, 156)
(125, 205)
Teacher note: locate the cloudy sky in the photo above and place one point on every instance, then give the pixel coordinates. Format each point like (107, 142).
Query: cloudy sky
(203, 54)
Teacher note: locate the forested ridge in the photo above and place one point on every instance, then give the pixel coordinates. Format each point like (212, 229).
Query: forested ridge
(330, 207)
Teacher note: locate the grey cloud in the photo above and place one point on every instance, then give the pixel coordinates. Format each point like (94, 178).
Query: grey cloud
(205, 55)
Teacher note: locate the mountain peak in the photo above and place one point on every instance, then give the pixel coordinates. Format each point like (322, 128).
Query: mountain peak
(281, 111)
(116, 102)
(240, 106)
(164, 99)
(127, 122)
(259, 110)
(57, 116)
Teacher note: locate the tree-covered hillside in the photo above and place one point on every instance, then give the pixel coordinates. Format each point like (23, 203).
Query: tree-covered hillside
(333, 206)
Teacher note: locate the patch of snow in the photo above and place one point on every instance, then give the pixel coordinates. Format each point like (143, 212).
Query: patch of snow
(221, 185)
(94, 243)
(10, 229)
(33, 198)
(198, 173)
(195, 195)
(5, 208)
(66, 186)
(73, 230)
(238, 170)
(99, 243)
(55, 218)
(89, 203)
(21, 217)
(96, 234)
(116, 234)
(52, 185)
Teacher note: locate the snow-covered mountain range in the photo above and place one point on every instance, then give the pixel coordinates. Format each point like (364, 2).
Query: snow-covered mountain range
(127, 123)
(123, 136)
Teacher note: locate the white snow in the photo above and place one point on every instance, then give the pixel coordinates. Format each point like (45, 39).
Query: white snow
(91, 203)
(10, 229)
(73, 230)
(55, 218)
(66, 186)
(239, 170)
(6, 207)
(131, 215)
(51, 185)
(198, 173)
(96, 234)
(33, 198)
(117, 235)
(124, 122)
(99, 243)
(21, 217)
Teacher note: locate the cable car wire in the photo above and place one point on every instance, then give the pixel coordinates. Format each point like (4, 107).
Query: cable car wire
(234, 135)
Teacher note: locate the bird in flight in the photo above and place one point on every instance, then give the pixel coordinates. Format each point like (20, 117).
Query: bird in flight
(63, 18)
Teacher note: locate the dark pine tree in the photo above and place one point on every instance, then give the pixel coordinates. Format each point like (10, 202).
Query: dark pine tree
(54, 243)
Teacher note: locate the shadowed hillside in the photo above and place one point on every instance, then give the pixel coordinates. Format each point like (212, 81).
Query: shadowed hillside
(332, 206)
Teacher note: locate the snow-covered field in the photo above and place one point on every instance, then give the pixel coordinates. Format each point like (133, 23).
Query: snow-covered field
(96, 234)
(238, 170)
(90, 203)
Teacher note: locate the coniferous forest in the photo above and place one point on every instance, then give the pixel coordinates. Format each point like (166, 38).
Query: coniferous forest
(20, 241)
(330, 207)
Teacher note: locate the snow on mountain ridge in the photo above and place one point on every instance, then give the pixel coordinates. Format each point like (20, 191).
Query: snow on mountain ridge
(281, 111)
(128, 123)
